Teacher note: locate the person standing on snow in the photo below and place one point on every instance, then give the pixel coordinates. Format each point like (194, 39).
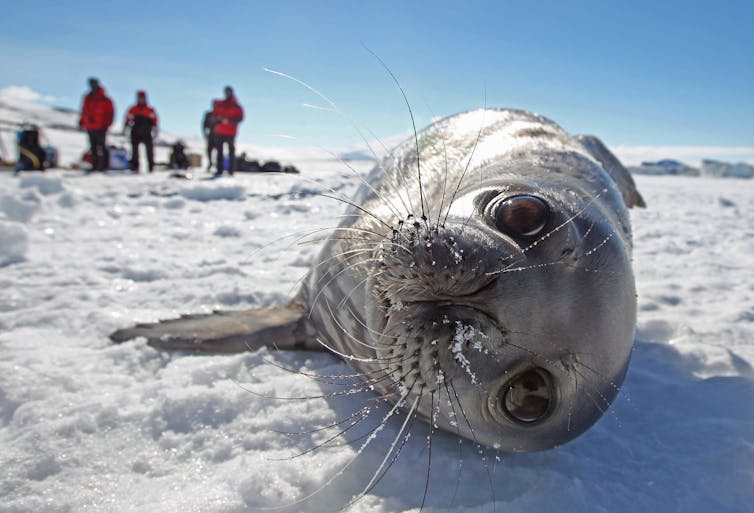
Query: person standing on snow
(96, 117)
(142, 119)
(227, 114)
(207, 125)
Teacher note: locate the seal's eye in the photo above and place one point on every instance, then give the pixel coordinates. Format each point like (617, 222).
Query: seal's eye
(521, 216)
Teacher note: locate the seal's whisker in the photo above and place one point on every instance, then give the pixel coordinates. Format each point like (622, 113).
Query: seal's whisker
(299, 236)
(527, 268)
(481, 168)
(397, 453)
(378, 334)
(342, 114)
(335, 195)
(364, 386)
(350, 391)
(357, 207)
(353, 289)
(571, 404)
(321, 377)
(365, 249)
(378, 236)
(358, 359)
(365, 240)
(361, 250)
(394, 184)
(322, 445)
(359, 412)
(609, 382)
(589, 230)
(361, 178)
(354, 259)
(454, 422)
(325, 379)
(429, 450)
(602, 377)
(367, 244)
(598, 246)
(377, 475)
(326, 285)
(344, 330)
(473, 435)
(465, 170)
(363, 325)
(445, 176)
(422, 200)
(606, 402)
(372, 436)
(441, 134)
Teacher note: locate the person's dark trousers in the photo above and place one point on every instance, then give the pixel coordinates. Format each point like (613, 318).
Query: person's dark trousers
(98, 147)
(146, 139)
(220, 141)
(210, 146)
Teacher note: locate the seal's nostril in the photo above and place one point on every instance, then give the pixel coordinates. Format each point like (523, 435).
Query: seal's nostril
(528, 397)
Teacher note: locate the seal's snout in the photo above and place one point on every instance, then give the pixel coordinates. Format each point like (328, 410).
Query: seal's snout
(424, 262)
(529, 397)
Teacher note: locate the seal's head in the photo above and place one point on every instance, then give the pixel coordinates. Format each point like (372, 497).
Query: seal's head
(511, 321)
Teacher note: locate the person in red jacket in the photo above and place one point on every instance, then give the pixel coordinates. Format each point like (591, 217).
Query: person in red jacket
(227, 114)
(96, 117)
(142, 120)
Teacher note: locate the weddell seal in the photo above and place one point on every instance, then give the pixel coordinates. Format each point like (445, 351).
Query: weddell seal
(481, 281)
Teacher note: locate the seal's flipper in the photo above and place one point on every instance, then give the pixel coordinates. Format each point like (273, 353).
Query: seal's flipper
(280, 326)
(620, 175)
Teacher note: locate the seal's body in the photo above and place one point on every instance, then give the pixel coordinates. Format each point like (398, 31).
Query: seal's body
(481, 280)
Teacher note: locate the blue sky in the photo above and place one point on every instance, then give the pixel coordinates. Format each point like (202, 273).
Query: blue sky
(636, 73)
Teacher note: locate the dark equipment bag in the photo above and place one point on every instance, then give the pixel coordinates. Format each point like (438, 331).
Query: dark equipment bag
(271, 166)
(178, 158)
(31, 156)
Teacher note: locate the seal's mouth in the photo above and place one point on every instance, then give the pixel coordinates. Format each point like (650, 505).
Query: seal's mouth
(429, 343)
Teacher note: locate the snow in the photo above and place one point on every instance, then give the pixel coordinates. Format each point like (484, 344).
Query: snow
(86, 425)
(14, 242)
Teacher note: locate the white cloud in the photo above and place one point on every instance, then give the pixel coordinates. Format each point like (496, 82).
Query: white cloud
(635, 155)
(23, 94)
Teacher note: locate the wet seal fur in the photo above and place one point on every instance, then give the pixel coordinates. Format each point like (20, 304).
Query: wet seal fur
(481, 281)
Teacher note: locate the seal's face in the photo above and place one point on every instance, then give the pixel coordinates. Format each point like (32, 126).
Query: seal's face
(501, 322)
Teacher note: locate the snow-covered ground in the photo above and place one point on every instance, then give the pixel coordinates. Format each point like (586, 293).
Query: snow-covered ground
(86, 425)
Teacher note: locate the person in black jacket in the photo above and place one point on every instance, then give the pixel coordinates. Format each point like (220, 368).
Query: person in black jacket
(207, 125)
(142, 119)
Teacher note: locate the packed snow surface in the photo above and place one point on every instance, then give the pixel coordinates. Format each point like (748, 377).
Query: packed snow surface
(86, 425)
